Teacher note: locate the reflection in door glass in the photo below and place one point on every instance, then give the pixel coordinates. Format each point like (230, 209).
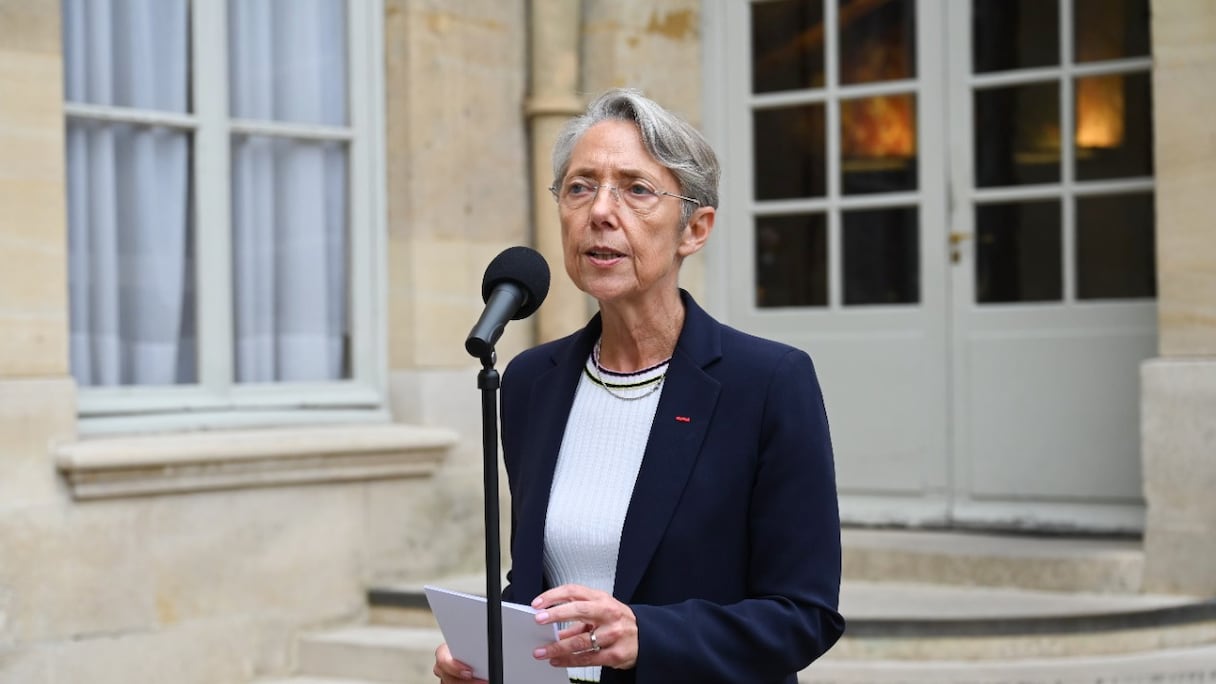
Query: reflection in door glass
(791, 261)
(1110, 29)
(790, 156)
(1017, 135)
(1116, 257)
(787, 45)
(878, 144)
(877, 40)
(881, 256)
(1014, 34)
(1114, 126)
(1018, 252)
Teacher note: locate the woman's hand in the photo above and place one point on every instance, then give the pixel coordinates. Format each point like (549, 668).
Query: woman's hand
(603, 631)
(449, 670)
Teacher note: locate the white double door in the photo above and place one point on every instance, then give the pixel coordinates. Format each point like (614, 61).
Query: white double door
(983, 378)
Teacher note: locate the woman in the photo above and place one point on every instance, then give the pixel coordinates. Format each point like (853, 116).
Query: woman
(673, 494)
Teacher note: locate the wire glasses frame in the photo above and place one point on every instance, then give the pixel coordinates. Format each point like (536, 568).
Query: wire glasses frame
(577, 193)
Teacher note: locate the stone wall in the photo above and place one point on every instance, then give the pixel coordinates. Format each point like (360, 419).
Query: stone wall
(33, 247)
(1184, 86)
(458, 194)
(214, 585)
(1178, 397)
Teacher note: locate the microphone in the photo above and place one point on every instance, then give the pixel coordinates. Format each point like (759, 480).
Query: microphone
(514, 285)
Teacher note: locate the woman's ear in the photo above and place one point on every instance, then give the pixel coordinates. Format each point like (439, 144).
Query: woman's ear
(694, 235)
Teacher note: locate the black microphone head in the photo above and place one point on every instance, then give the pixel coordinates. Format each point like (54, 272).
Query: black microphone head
(526, 268)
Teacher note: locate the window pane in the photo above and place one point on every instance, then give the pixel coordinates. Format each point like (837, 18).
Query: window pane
(1014, 34)
(877, 41)
(290, 269)
(791, 261)
(878, 144)
(131, 255)
(787, 45)
(790, 156)
(127, 54)
(1114, 126)
(1017, 252)
(881, 256)
(1116, 255)
(1111, 29)
(1017, 135)
(287, 61)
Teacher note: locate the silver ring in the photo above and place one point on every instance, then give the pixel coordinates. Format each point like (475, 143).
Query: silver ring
(595, 645)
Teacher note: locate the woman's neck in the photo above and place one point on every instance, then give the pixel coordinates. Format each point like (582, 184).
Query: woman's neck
(634, 338)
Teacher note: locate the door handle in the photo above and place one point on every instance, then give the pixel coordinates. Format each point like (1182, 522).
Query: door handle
(956, 239)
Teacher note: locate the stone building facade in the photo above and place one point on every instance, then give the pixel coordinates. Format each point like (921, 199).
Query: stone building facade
(196, 555)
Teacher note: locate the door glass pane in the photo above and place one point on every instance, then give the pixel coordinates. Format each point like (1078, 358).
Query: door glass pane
(1017, 135)
(877, 41)
(1014, 34)
(287, 61)
(1114, 126)
(881, 256)
(1017, 252)
(289, 248)
(791, 261)
(787, 45)
(790, 157)
(1116, 256)
(878, 144)
(1111, 29)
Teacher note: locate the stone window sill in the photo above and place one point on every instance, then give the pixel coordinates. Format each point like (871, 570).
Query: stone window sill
(114, 467)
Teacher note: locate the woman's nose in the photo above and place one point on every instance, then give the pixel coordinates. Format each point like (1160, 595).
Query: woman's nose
(605, 202)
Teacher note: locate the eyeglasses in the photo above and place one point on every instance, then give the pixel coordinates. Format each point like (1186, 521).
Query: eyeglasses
(639, 196)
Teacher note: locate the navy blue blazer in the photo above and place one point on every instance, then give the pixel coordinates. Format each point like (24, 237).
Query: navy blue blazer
(730, 553)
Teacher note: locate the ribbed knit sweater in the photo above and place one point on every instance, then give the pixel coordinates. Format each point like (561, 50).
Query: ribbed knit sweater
(597, 467)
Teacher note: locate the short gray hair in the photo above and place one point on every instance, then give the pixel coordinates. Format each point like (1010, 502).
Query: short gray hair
(673, 142)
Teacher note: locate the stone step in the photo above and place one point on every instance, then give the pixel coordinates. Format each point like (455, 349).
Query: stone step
(370, 653)
(933, 602)
(951, 557)
(918, 621)
(1054, 563)
(908, 621)
(403, 604)
(1191, 665)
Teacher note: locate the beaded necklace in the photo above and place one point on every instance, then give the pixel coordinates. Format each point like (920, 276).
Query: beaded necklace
(644, 388)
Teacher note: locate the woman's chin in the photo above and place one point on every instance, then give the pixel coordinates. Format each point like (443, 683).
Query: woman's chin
(606, 293)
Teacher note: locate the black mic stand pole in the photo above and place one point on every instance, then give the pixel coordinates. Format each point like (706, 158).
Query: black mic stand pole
(488, 382)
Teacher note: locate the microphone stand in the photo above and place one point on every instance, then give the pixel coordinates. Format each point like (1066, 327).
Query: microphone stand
(488, 382)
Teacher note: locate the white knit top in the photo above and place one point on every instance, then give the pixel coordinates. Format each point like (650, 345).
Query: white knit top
(597, 466)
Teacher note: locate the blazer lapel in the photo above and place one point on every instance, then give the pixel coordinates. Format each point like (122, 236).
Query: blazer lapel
(680, 424)
(551, 399)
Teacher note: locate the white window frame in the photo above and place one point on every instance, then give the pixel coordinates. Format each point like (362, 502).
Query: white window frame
(217, 400)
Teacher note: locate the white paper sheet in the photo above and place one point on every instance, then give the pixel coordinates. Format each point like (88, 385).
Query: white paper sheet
(462, 617)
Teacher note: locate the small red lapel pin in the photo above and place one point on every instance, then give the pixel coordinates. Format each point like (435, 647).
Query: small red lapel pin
(683, 419)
